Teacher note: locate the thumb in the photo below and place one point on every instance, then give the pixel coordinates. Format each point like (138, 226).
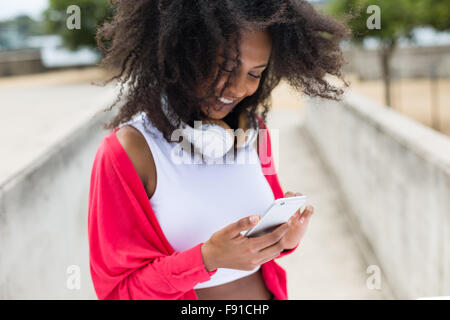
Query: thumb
(235, 229)
(306, 214)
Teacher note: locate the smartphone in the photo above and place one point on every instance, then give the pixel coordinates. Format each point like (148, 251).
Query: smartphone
(278, 213)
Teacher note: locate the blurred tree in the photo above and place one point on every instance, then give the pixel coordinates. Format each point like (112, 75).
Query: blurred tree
(93, 14)
(398, 19)
(436, 13)
(26, 25)
(14, 32)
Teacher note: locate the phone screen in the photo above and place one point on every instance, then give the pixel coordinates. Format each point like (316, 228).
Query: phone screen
(278, 213)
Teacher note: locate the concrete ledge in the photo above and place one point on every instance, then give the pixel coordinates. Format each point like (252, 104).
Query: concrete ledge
(420, 139)
(395, 174)
(412, 62)
(43, 218)
(17, 62)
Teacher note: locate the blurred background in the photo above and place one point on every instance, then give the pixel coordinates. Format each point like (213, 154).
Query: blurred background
(375, 165)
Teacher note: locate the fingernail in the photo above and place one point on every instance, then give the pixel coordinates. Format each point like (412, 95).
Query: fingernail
(302, 219)
(254, 218)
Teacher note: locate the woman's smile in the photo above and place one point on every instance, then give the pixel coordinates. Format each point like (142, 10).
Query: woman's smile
(226, 106)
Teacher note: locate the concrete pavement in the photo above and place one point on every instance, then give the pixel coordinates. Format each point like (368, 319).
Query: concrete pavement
(332, 261)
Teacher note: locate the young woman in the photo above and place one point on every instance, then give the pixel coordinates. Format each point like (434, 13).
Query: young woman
(161, 229)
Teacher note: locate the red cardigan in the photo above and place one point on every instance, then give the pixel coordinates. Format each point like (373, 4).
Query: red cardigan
(129, 256)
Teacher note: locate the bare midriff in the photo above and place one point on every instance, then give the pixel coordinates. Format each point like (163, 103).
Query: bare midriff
(251, 287)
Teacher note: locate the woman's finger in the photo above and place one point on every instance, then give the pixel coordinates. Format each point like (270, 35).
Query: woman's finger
(309, 210)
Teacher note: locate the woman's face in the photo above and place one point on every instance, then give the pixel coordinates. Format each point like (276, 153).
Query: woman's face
(255, 49)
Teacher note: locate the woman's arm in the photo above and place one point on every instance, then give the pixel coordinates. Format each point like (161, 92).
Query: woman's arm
(128, 259)
(162, 278)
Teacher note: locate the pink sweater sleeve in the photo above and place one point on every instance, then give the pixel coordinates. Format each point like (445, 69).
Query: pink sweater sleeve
(167, 277)
(128, 259)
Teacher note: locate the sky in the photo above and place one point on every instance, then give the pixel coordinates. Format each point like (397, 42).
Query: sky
(10, 9)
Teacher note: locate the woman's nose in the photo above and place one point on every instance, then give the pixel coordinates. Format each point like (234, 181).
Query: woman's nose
(237, 88)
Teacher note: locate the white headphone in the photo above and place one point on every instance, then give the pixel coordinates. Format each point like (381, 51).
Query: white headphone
(213, 139)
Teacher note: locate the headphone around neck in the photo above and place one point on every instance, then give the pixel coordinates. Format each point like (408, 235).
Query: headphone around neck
(214, 138)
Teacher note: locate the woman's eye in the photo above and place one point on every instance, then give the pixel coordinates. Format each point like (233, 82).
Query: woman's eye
(251, 75)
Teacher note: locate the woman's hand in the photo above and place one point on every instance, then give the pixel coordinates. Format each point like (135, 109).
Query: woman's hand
(228, 248)
(297, 224)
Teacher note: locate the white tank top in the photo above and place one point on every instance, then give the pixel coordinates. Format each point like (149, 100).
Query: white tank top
(193, 200)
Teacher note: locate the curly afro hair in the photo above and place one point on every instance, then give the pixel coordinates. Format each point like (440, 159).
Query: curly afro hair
(170, 46)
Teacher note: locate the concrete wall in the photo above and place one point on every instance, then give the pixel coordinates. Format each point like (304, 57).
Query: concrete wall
(419, 62)
(18, 62)
(395, 175)
(43, 219)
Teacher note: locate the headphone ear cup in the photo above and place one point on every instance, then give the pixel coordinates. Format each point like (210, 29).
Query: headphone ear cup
(221, 123)
(213, 138)
(217, 124)
(217, 141)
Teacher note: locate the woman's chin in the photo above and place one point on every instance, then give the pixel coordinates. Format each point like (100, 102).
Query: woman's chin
(218, 115)
(221, 113)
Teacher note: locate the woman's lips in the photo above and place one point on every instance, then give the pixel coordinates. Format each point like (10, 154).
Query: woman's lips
(224, 106)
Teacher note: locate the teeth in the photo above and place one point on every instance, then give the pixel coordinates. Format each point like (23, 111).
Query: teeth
(226, 101)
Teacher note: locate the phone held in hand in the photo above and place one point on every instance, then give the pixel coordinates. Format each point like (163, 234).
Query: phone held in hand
(278, 213)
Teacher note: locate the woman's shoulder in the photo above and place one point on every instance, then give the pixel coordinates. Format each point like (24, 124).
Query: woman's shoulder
(136, 147)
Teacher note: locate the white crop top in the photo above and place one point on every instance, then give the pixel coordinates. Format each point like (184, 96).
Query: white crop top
(193, 200)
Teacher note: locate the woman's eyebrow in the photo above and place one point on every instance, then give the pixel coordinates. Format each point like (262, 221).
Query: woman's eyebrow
(261, 66)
